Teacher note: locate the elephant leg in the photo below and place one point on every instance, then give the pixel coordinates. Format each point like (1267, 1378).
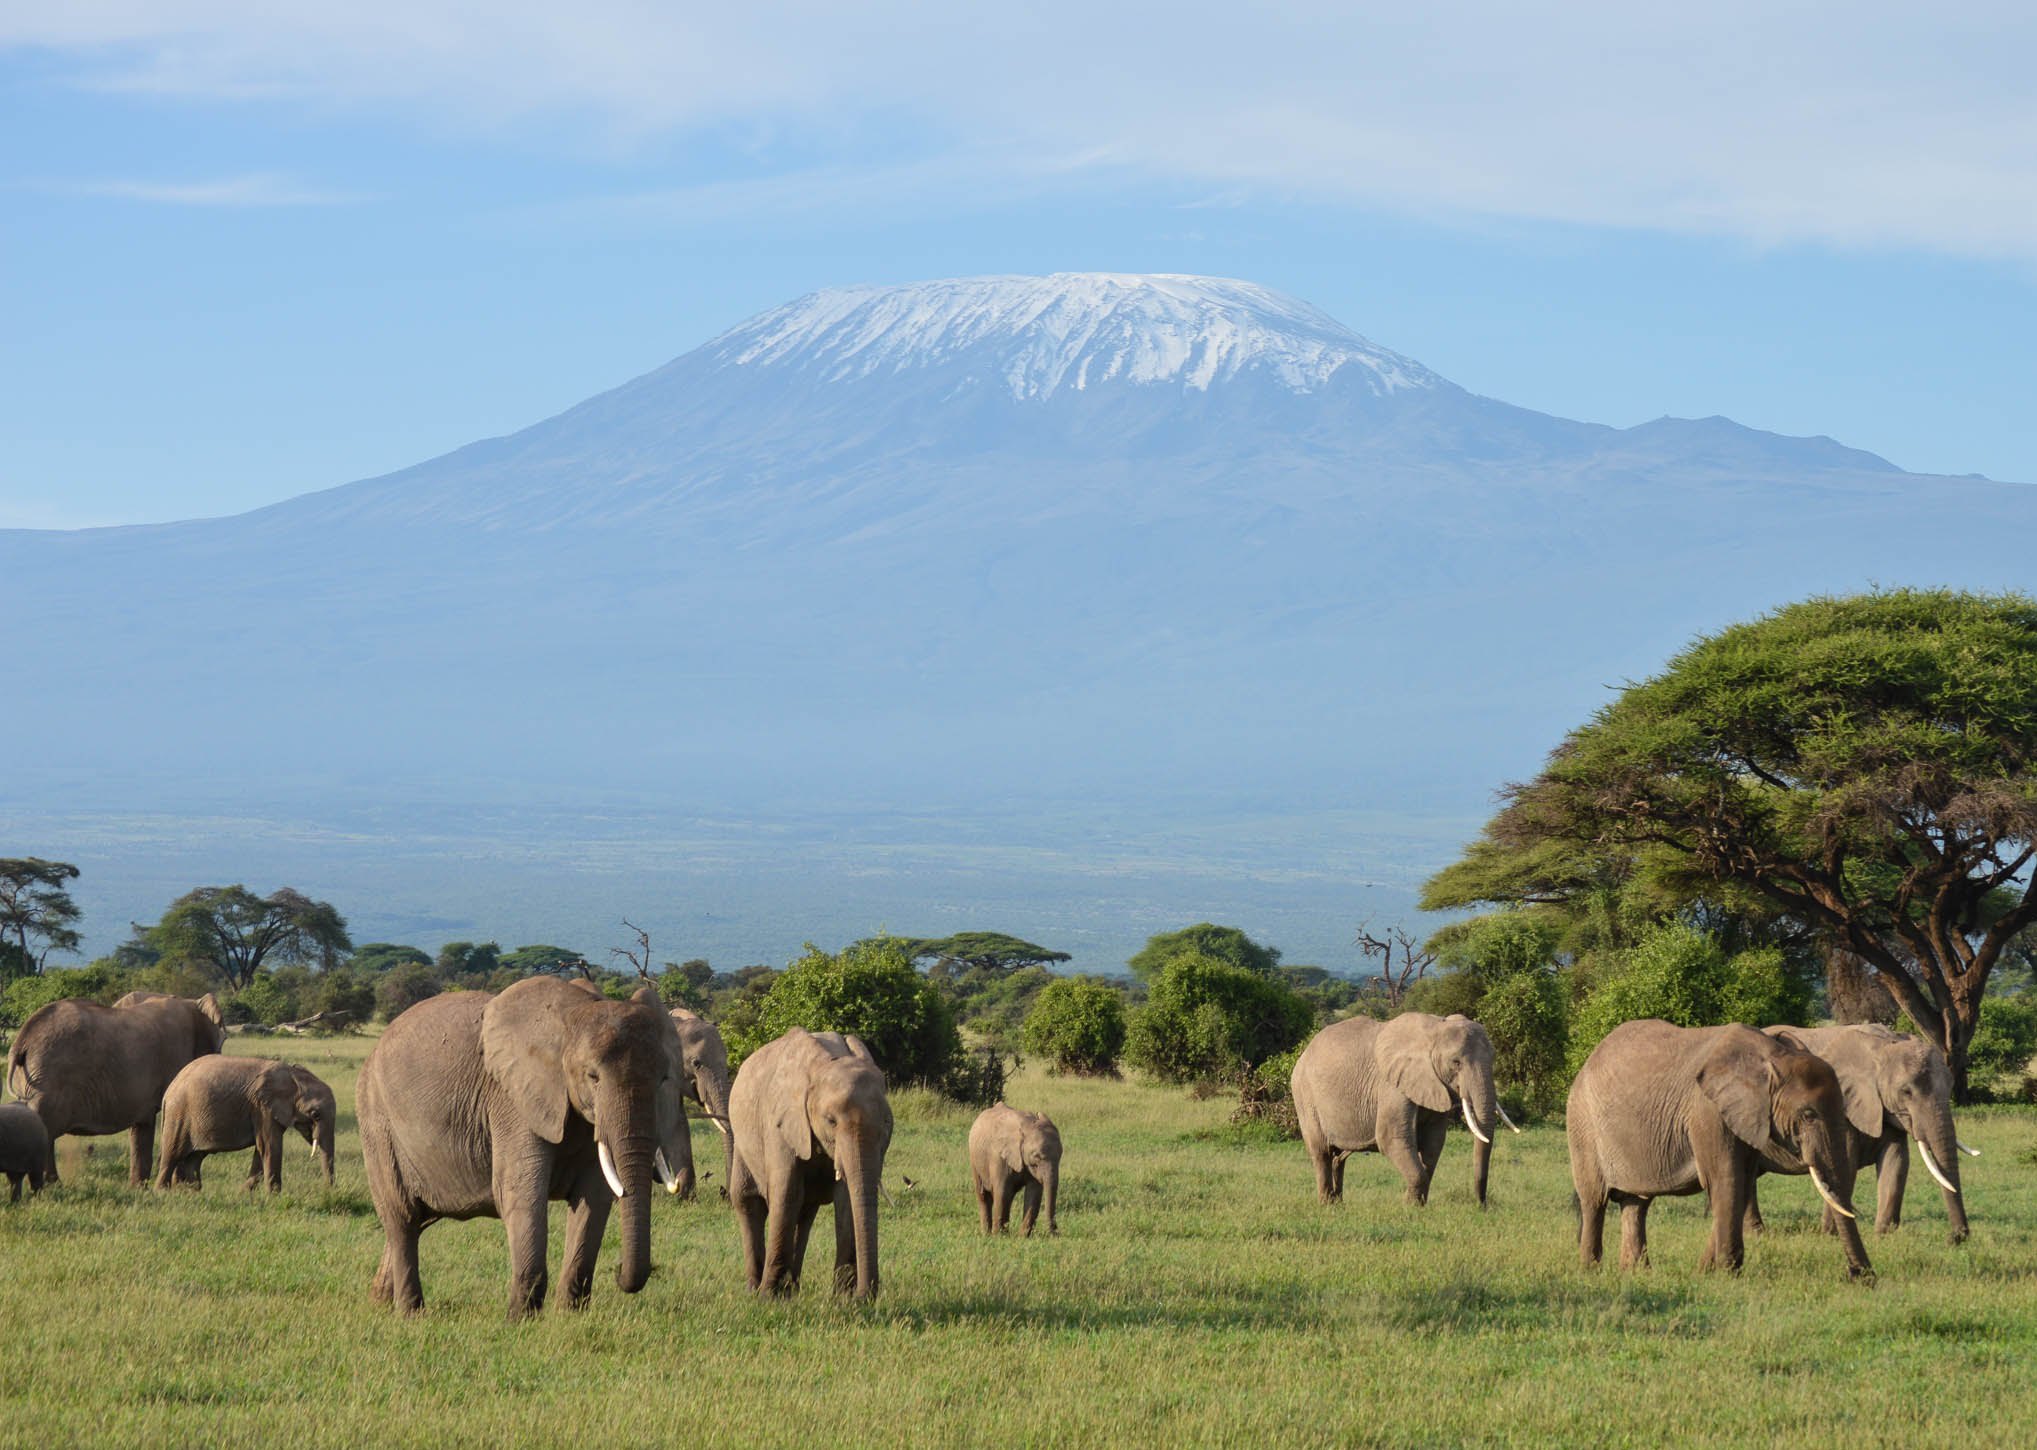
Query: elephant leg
(1397, 1141)
(396, 1281)
(1891, 1177)
(1031, 1213)
(1325, 1160)
(809, 1210)
(1726, 1249)
(748, 1202)
(1429, 1139)
(1337, 1162)
(1000, 1203)
(587, 1213)
(781, 1237)
(522, 1176)
(982, 1199)
(14, 1187)
(1751, 1222)
(141, 1151)
(1634, 1234)
(845, 1241)
(1591, 1204)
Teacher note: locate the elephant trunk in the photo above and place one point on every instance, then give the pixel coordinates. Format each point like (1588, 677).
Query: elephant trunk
(1939, 1148)
(712, 1088)
(860, 1160)
(1831, 1168)
(1481, 1113)
(322, 1148)
(633, 1167)
(1051, 1175)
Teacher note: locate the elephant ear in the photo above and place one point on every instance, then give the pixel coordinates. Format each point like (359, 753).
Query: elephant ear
(790, 1084)
(1401, 1052)
(681, 1014)
(857, 1048)
(523, 1040)
(646, 994)
(280, 1096)
(1737, 1079)
(209, 1006)
(1856, 1059)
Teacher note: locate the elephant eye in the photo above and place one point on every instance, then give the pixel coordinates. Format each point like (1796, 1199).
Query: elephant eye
(593, 1076)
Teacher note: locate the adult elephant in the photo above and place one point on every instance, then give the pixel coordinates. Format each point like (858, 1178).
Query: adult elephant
(477, 1105)
(706, 1058)
(1364, 1086)
(811, 1121)
(1664, 1111)
(222, 1105)
(1897, 1087)
(89, 1069)
(1010, 1151)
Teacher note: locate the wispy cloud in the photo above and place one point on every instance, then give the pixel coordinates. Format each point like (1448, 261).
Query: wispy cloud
(1847, 122)
(255, 189)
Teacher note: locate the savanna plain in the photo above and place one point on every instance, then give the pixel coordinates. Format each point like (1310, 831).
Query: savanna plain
(1197, 1293)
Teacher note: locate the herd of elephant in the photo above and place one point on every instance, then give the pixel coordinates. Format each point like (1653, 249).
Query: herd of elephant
(476, 1104)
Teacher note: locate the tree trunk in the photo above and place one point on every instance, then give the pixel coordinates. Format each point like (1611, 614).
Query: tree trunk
(1854, 993)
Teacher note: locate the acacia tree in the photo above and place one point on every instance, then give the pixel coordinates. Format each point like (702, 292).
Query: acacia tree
(37, 915)
(1865, 765)
(234, 932)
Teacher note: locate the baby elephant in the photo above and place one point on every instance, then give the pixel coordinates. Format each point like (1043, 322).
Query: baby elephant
(221, 1105)
(1008, 1150)
(24, 1148)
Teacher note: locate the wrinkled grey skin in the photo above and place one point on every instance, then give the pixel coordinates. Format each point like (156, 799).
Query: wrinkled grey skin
(1011, 1151)
(24, 1148)
(222, 1105)
(314, 1116)
(812, 1122)
(707, 1082)
(88, 1069)
(1665, 1111)
(479, 1105)
(1395, 1088)
(1897, 1087)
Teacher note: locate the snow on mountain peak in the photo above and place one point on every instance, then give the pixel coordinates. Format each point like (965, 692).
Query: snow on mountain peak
(1072, 330)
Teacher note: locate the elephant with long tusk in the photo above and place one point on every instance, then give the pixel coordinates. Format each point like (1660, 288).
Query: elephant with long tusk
(1664, 1111)
(1362, 1086)
(1897, 1089)
(474, 1105)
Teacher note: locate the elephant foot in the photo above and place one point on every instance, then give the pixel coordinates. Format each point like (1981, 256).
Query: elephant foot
(1957, 1236)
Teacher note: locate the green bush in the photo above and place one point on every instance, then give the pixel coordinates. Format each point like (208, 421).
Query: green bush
(871, 989)
(403, 987)
(2005, 1039)
(1225, 943)
(263, 1000)
(1078, 1025)
(1207, 1020)
(1681, 975)
(1267, 1095)
(1502, 974)
(101, 981)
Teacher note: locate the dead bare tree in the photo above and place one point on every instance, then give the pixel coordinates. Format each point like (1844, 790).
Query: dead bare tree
(638, 956)
(1402, 958)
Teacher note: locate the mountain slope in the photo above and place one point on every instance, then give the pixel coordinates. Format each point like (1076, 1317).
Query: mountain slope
(1139, 539)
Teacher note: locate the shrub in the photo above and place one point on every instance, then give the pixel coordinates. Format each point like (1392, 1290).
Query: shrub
(1225, 943)
(403, 987)
(1207, 1020)
(1502, 974)
(101, 981)
(1078, 1025)
(871, 989)
(1267, 1095)
(2005, 1039)
(262, 1000)
(1681, 975)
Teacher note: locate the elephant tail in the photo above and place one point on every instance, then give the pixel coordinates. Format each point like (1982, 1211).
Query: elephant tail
(18, 1081)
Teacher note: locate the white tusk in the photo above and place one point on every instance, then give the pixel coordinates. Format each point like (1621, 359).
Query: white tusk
(608, 1171)
(664, 1171)
(1932, 1164)
(1505, 1119)
(721, 1123)
(1826, 1194)
(1969, 1152)
(1469, 1122)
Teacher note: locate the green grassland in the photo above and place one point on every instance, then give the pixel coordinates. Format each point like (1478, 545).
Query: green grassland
(1197, 1293)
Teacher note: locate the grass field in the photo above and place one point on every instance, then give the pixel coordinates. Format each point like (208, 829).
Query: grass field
(1197, 1293)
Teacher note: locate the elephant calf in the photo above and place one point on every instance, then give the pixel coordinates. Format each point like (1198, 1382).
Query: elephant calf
(1010, 1150)
(812, 1121)
(224, 1104)
(315, 1119)
(1664, 1111)
(24, 1148)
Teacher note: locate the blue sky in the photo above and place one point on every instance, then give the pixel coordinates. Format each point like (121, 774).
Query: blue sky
(250, 248)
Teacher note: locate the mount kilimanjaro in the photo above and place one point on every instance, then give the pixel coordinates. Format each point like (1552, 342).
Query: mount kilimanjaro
(1143, 544)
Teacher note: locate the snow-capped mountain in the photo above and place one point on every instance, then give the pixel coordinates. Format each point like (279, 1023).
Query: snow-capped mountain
(1127, 537)
(1035, 336)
